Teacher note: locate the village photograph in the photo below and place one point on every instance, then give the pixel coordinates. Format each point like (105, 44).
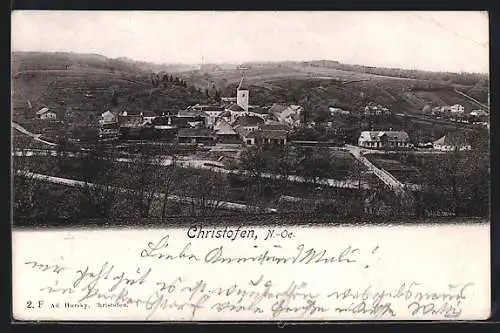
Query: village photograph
(138, 118)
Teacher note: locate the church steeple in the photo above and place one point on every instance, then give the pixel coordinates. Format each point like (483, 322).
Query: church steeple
(243, 84)
(242, 94)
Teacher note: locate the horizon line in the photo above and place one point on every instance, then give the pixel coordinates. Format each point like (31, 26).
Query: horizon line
(250, 62)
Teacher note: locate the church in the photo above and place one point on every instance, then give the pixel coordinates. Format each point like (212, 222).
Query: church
(242, 95)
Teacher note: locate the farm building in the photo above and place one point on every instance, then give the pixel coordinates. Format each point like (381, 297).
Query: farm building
(383, 139)
(260, 136)
(195, 135)
(45, 113)
(225, 133)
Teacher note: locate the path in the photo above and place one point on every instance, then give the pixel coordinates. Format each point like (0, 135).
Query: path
(34, 136)
(472, 99)
(399, 188)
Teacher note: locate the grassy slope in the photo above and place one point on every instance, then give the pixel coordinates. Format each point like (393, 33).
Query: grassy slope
(61, 81)
(82, 86)
(405, 95)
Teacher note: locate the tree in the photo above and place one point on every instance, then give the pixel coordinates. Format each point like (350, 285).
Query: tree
(217, 96)
(206, 193)
(314, 164)
(169, 174)
(256, 160)
(284, 164)
(102, 175)
(320, 115)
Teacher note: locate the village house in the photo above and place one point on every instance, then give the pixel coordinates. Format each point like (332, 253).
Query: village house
(373, 109)
(225, 133)
(287, 114)
(196, 136)
(265, 136)
(195, 118)
(109, 128)
(212, 112)
(248, 122)
(130, 118)
(457, 109)
(275, 127)
(45, 113)
(232, 112)
(148, 116)
(108, 117)
(335, 111)
(452, 142)
(384, 139)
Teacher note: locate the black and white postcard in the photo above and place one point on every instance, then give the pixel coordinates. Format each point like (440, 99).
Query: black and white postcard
(250, 166)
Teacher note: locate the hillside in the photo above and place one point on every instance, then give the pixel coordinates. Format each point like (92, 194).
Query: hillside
(81, 86)
(349, 86)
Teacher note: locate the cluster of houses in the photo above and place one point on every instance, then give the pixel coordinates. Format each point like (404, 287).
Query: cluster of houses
(400, 139)
(372, 109)
(458, 113)
(233, 121)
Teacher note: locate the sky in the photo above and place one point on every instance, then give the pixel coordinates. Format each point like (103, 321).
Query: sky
(438, 41)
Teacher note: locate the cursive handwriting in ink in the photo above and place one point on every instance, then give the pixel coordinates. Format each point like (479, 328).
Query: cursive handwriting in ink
(44, 267)
(154, 250)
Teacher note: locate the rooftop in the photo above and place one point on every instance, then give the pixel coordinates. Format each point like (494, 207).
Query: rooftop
(248, 121)
(191, 113)
(394, 135)
(268, 134)
(452, 139)
(243, 85)
(195, 132)
(235, 107)
(42, 111)
(223, 128)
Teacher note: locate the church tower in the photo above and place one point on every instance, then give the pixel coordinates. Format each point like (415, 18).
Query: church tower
(242, 94)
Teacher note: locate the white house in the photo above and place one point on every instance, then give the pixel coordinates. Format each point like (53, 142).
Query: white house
(334, 111)
(45, 113)
(384, 139)
(108, 117)
(457, 109)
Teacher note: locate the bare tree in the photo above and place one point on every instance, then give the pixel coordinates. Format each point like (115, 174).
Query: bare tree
(169, 174)
(206, 193)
